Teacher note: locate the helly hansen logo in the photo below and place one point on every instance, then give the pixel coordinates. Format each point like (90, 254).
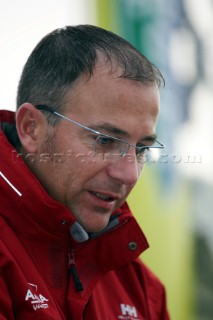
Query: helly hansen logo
(128, 312)
(37, 300)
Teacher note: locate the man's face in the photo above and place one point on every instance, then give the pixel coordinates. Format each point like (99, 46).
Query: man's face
(90, 186)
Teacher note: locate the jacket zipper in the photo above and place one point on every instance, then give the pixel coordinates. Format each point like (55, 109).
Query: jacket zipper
(73, 271)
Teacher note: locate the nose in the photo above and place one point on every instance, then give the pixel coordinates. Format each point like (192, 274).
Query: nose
(125, 169)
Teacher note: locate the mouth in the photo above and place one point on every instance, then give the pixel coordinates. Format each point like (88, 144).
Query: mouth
(103, 196)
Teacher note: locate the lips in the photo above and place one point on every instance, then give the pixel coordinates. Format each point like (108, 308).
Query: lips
(103, 196)
(106, 200)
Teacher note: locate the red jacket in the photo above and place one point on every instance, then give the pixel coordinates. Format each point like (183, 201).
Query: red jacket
(47, 274)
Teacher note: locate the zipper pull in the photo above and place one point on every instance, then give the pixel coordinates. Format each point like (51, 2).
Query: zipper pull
(73, 270)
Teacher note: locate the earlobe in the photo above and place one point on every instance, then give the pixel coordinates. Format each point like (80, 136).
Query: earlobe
(28, 124)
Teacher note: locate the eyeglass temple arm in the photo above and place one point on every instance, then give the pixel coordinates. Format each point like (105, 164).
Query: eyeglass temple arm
(161, 145)
(46, 108)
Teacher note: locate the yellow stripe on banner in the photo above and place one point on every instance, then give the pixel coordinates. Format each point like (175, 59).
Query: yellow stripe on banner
(107, 15)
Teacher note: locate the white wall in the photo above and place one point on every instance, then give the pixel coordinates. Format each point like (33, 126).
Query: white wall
(22, 24)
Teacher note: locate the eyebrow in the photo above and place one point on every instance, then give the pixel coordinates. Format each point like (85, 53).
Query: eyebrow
(108, 128)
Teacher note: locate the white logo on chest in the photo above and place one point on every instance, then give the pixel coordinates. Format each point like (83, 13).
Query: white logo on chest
(128, 312)
(37, 300)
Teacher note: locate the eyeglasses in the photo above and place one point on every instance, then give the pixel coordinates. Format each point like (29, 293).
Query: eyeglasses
(110, 146)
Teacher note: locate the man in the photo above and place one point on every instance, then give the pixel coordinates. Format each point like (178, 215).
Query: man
(87, 108)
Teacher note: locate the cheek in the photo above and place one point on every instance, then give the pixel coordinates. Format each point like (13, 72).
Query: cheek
(80, 167)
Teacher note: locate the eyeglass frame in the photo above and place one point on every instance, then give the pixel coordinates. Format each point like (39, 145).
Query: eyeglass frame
(49, 109)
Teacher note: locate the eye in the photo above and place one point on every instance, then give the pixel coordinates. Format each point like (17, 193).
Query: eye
(141, 150)
(103, 141)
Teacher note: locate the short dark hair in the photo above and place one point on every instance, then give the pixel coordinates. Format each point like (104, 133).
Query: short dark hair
(67, 53)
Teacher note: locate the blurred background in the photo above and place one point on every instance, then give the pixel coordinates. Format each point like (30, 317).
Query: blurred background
(173, 201)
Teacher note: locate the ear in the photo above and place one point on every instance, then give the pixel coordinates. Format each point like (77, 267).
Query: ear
(30, 125)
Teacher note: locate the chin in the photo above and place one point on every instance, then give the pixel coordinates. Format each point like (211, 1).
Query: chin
(94, 221)
(96, 228)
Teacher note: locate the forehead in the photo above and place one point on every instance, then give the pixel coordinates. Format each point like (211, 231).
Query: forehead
(105, 97)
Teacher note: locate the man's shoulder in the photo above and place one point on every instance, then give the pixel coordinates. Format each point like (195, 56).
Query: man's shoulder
(153, 288)
(146, 273)
(7, 116)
